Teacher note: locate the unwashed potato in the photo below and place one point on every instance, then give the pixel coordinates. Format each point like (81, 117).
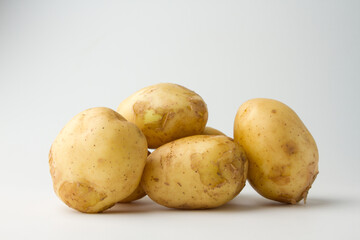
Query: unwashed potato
(195, 172)
(283, 156)
(212, 131)
(165, 112)
(97, 160)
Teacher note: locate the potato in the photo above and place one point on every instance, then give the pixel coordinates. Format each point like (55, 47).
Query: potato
(137, 194)
(283, 156)
(97, 160)
(165, 112)
(211, 131)
(195, 172)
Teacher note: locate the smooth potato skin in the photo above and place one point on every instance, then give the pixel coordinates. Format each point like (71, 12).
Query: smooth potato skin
(137, 194)
(283, 156)
(196, 172)
(165, 112)
(212, 131)
(97, 160)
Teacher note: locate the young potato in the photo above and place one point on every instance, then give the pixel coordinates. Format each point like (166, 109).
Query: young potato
(283, 156)
(211, 131)
(137, 194)
(195, 172)
(165, 112)
(97, 160)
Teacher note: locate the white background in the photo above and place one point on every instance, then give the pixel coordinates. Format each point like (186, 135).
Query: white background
(60, 58)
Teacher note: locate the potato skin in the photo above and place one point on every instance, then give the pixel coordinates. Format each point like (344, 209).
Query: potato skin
(283, 156)
(195, 172)
(97, 160)
(137, 194)
(165, 112)
(211, 131)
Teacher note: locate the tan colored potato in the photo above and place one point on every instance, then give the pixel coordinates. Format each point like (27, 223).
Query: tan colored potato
(165, 112)
(137, 194)
(195, 172)
(97, 160)
(212, 131)
(283, 156)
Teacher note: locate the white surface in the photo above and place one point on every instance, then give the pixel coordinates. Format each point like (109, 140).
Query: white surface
(59, 58)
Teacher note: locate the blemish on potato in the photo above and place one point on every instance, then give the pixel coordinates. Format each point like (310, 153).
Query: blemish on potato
(139, 107)
(81, 196)
(289, 148)
(155, 179)
(273, 111)
(198, 106)
(210, 175)
(280, 174)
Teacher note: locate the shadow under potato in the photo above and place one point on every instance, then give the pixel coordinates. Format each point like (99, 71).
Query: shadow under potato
(242, 203)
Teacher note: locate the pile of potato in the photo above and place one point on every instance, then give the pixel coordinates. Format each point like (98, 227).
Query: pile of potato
(101, 156)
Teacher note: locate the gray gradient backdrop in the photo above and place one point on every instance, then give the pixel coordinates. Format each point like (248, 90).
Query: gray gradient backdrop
(59, 58)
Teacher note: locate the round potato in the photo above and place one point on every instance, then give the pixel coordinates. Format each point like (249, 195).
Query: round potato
(97, 160)
(283, 156)
(195, 172)
(165, 112)
(211, 131)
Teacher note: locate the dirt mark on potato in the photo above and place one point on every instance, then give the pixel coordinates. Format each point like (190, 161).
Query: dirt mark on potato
(280, 174)
(80, 195)
(290, 148)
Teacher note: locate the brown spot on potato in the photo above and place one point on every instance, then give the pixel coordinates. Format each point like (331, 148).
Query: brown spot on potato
(166, 117)
(280, 174)
(290, 147)
(139, 107)
(80, 195)
(198, 106)
(273, 111)
(155, 179)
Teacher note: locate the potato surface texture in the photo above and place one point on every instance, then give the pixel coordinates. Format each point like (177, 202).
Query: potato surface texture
(212, 131)
(97, 160)
(283, 156)
(165, 112)
(137, 194)
(195, 172)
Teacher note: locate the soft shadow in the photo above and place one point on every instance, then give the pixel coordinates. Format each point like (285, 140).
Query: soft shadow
(140, 206)
(242, 203)
(256, 202)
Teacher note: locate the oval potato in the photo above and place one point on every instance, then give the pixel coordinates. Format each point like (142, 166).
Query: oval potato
(165, 112)
(195, 172)
(283, 156)
(97, 160)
